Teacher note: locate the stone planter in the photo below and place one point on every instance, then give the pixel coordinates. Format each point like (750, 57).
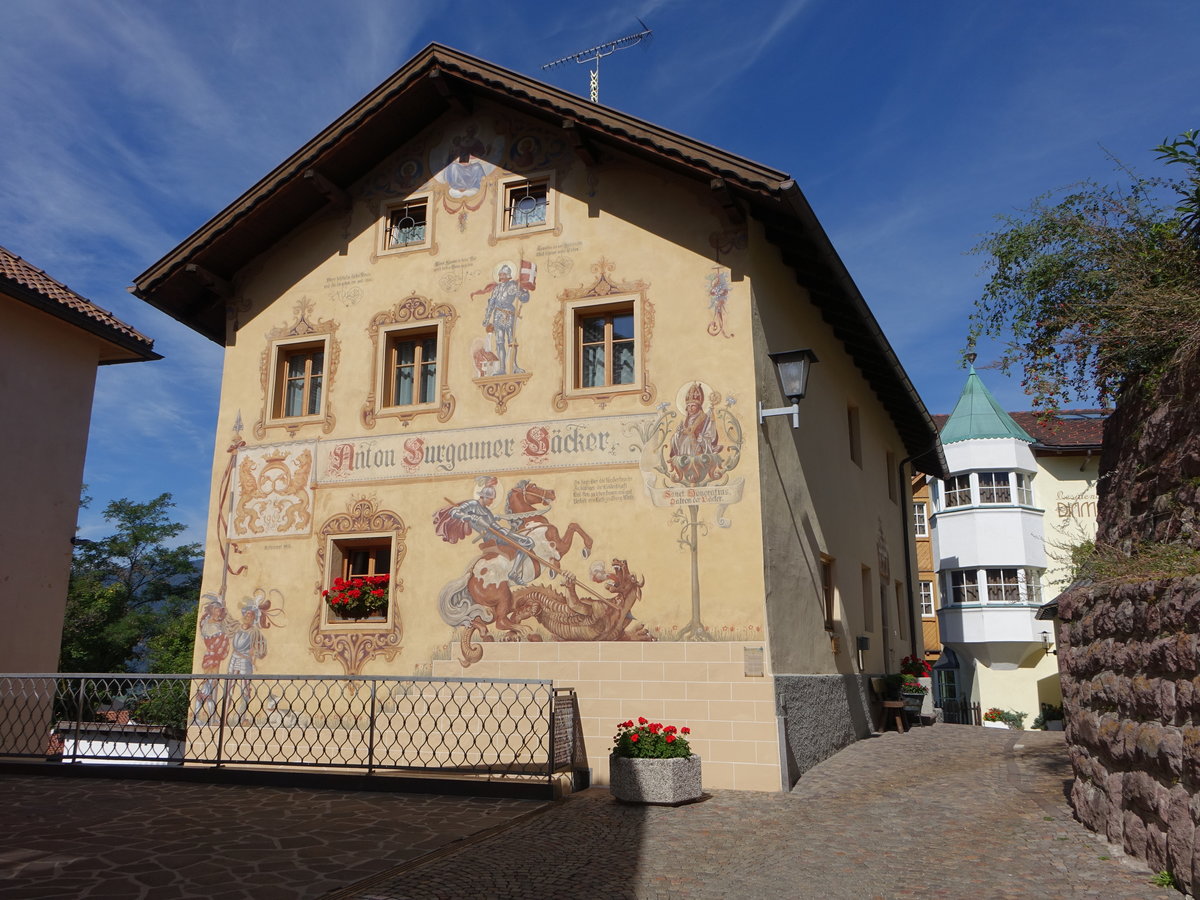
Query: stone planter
(663, 781)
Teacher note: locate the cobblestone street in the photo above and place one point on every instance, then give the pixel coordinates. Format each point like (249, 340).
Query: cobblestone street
(949, 811)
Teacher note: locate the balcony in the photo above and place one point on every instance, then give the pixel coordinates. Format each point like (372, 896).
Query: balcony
(988, 623)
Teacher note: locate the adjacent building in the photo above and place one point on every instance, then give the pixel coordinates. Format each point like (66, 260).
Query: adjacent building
(1020, 494)
(53, 341)
(495, 355)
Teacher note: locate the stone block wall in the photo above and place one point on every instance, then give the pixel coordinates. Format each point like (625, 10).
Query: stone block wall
(1129, 654)
(1130, 661)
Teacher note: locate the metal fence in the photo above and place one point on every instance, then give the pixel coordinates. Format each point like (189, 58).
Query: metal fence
(961, 712)
(489, 727)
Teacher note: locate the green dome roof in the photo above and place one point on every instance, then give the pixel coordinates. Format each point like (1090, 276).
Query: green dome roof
(978, 415)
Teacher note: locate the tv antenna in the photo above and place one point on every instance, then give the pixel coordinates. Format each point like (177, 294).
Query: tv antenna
(595, 54)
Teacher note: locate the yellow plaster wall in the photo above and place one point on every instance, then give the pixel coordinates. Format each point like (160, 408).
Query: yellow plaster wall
(48, 369)
(1065, 487)
(1022, 689)
(645, 227)
(816, 499)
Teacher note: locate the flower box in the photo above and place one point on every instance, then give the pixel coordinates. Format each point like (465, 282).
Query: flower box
(661, 781)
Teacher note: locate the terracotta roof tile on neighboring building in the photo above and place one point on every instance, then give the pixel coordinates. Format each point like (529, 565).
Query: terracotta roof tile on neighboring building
(1066, 429)
(58, 299)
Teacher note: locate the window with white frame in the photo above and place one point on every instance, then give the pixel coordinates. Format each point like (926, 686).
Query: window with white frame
(994, 488)
(957, 491)
(920, 520)
(1003, 585)
(927, 610)
(964, 586)
(946, 681)
(1024, 489)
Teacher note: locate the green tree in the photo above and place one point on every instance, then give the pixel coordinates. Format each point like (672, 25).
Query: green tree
(1095, 284)
(132, 597)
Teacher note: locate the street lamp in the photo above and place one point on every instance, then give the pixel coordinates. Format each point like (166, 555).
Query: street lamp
(792, 366)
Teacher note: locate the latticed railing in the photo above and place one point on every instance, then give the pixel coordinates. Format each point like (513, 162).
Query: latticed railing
(492, 727)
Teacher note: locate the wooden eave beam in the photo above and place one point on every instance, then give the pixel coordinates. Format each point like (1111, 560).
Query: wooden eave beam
(333, 194)
(457, 100)
(211, 282)
(721, 190)
(584, 148)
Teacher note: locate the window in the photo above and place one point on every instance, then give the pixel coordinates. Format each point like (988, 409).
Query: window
(360, 557)
(964, 586)
(605, 347)
(868, 601)
(993, 488)
(827, 589)
(406, 224)
(1024, 489)
(920, 520)
(299, 379)
(411, 367)
(1002, 586)
(526, 204)
(890, 464)
(927, 610)
(947, 683)
(855, 436)
(958, 491)
(1032, 583)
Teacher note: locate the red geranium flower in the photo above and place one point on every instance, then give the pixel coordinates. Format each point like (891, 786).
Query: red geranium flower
(642, 720)
(670, 738)
(633, 737)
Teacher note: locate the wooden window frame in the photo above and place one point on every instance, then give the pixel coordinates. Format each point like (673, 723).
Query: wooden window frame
(417, 335)
(828, 592)
(507, 188)
(608, 312)
(340, 547)
(424, 203)
(283, 351)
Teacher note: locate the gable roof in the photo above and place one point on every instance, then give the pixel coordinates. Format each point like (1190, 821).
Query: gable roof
(29, 284)
(192, 281)
(978, 414)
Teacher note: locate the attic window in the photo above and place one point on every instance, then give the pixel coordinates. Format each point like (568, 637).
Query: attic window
(406, 225)
(526, 204)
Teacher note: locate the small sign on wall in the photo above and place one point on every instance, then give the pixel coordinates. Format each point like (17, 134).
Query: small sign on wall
(755, 666)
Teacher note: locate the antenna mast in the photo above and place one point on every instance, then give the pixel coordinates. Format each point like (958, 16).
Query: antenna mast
(594, 54)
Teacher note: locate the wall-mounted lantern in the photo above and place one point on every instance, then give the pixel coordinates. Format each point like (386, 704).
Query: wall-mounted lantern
(792, 366)
(1047, 643)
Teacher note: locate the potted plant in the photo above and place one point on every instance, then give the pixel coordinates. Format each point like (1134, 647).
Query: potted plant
(916, 667)
(912, 692)
(1050, 718)
(359, 596)
(653, 763)
(1004, 718)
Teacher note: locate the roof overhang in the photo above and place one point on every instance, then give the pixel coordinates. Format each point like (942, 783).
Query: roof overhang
(193, 281)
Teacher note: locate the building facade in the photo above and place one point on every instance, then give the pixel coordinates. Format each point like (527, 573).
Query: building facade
(496, 354)
(1021, 493)
(53, 341)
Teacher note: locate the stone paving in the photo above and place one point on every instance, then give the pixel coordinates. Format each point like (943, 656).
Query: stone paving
(67, 838)
(948, 811)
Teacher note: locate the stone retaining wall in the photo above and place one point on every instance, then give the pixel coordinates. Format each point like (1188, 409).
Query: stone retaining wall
(1130, 661)
(821, 715)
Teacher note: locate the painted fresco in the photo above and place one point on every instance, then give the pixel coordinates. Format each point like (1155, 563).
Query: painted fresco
(235, 645)
(688, 453)
(494, 353)
(512, 579)
(718, 298)
(273, 496)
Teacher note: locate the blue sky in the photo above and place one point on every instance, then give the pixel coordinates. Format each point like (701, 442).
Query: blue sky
(909, 126)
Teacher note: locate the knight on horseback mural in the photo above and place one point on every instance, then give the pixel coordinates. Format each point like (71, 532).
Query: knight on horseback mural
(455, 522)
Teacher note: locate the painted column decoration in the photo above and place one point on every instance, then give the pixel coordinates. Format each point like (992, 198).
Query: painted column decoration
(687, 455)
